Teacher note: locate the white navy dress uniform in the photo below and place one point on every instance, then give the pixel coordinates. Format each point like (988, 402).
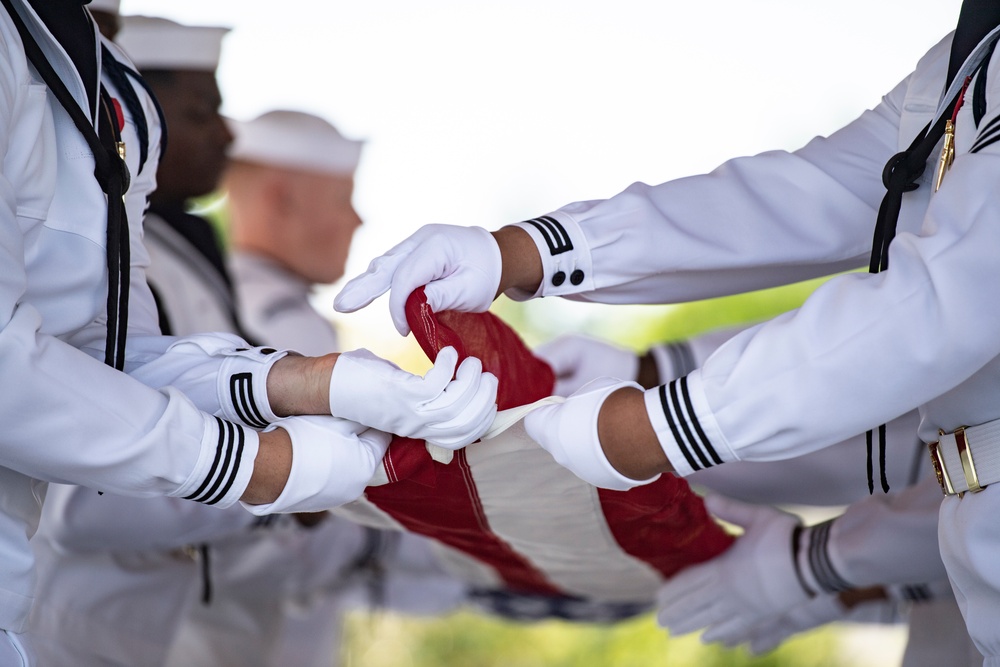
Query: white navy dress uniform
(156, 559)
(136, 548)
(273, 304)
(850, 552)
(72, 614)
(100, 427)
(861, 351)
(154, 430)
(279, 596)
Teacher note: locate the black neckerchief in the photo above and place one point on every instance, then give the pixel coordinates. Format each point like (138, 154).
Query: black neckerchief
(112, 175)
(69, 23)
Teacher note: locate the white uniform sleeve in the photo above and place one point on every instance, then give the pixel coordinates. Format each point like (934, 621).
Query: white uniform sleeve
(831, 476)
(864, 348)
(66, 416)
(755, 222)
(81, 520)
(836, 366)
(218, 372)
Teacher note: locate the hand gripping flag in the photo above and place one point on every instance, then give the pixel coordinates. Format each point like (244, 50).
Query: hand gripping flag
(529, 536)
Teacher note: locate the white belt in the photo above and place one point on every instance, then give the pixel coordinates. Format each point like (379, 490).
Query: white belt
(967, 459)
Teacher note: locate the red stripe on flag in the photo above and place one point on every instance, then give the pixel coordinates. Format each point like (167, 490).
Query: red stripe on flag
(450, 512)
(663, 524)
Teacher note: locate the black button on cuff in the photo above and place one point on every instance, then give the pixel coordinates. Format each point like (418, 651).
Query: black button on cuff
(267, 350)
(576, 277)
(558, 278)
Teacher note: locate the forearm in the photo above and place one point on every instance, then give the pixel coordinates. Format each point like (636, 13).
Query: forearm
(522, 265)
(270, 469)
(627, 437)
(298, 385)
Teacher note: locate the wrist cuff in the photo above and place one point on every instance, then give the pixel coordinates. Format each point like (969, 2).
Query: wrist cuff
(576, 445)
(309, 477)
(567, 267)
(224, 466)
(918, 593)
(673, 360)
(689, 441)
(814, 563)
(243, 386)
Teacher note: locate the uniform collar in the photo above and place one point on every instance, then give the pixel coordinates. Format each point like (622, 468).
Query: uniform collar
(59, 59)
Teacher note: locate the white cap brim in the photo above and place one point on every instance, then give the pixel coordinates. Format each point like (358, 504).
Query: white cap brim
(157, 43)
(295, 140)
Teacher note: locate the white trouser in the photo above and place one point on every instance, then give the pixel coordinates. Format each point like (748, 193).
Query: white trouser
(969, 535)
(14, 650)
(938, 636)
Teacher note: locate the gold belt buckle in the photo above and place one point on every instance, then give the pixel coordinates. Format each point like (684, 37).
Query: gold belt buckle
(940, 472)
(968, 466)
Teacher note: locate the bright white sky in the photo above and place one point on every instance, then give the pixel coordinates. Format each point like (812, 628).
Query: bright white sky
(492, 112)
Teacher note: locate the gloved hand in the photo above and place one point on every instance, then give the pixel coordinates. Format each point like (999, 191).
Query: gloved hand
(445, 412)
(752, 581)
(568, 431)
(460, 267)
(332, 461)
(576, 360)
(822, 609)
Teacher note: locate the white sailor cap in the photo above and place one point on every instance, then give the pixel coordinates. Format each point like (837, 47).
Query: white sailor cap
(109, 6)
(157, 43)
(295, 140)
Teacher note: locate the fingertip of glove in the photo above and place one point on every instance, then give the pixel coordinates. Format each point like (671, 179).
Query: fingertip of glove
(448, 355)
(402, 326)
(342, 303)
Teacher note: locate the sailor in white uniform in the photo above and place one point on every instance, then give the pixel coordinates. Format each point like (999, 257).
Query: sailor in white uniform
(289, 186)
(884, 545)
(918, 332)
(279, 598)
(181, 421)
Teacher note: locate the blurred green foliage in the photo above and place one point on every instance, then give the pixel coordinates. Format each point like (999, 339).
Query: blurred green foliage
(469, 640)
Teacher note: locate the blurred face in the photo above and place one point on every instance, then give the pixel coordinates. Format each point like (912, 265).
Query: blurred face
(197, 136)
(324, 223)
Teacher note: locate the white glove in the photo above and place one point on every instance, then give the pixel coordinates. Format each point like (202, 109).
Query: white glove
(819, 611)
(750, 582)
(576, 360)
(459, 265)
(332, 461)
(568, 431)
(444, 412)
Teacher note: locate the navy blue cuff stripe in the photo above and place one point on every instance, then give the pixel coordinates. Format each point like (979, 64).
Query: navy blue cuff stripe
(241, 393)
(673, 429)
(225, 466)
(227, 458)
(555, 235)
(796, 542)
(675, 401)
(916, 593)
(234, 470)
(819, 560)
(215, 462)
(705, 442)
